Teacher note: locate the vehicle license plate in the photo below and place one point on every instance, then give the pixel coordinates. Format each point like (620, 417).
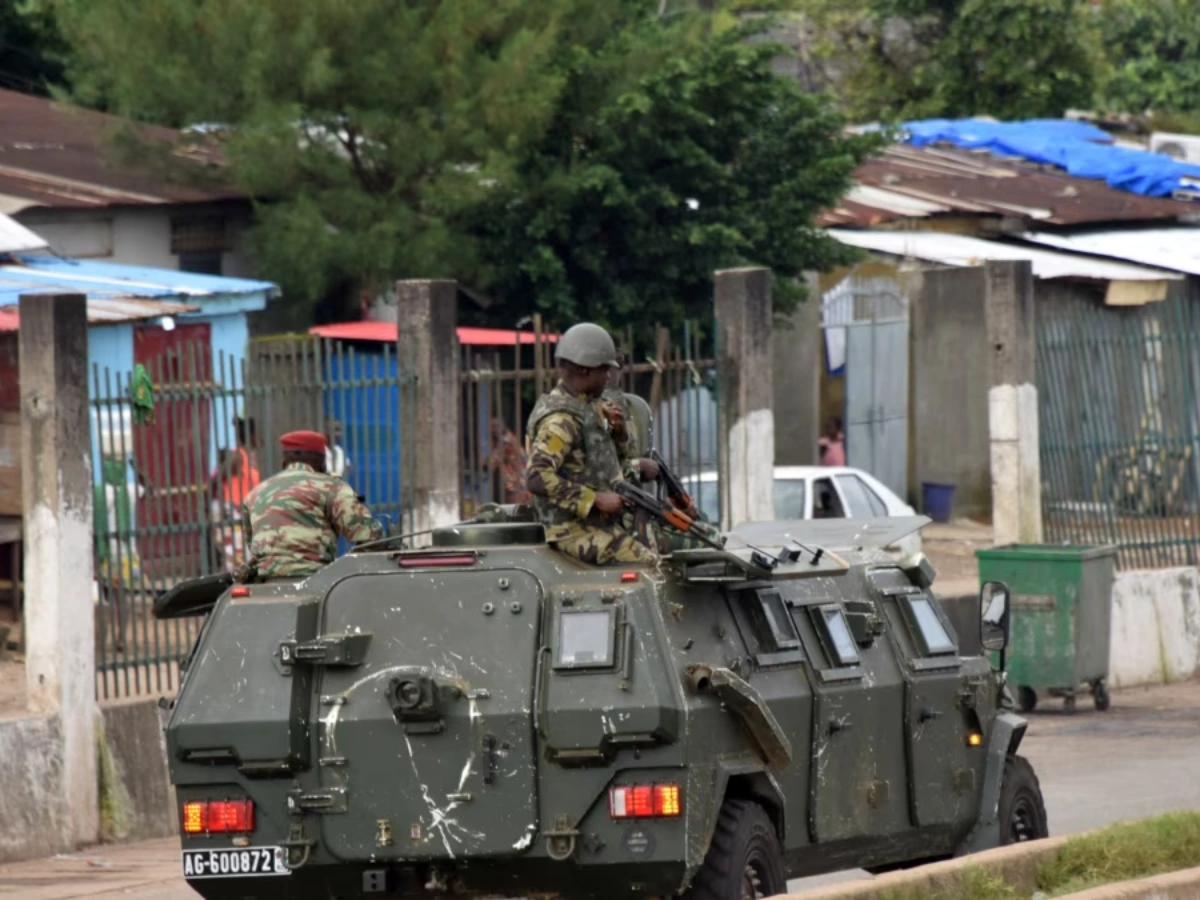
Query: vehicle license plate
(232, 862)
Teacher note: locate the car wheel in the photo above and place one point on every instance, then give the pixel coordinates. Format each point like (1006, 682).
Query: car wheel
(1022, 809)
(744, 860)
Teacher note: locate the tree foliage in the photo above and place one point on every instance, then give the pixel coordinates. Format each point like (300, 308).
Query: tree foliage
(1152, 54)
(30, 49)
(903, 59)
(644, 184)
(543, 151)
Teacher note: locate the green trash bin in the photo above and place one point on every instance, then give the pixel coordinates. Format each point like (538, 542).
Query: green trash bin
(1061, 610)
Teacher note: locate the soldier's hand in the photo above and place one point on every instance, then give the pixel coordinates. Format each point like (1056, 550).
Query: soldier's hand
(608, 503)
(649, 469)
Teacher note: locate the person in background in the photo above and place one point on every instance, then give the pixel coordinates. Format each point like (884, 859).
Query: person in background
(235, 476)
(507, 457)
(336, 462)
(833, 443)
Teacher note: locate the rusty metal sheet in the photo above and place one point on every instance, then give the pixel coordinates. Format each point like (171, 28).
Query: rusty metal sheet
(896, 185)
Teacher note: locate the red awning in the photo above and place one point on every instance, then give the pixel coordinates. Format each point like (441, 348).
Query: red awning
(386, 332)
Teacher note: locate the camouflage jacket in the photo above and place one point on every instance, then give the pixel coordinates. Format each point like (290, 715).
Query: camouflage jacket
(572, 458)
(293, 520)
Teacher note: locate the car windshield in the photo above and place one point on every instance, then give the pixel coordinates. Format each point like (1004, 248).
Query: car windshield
(789, 498)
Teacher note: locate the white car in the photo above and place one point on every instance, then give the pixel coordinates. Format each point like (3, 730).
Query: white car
(817, 492)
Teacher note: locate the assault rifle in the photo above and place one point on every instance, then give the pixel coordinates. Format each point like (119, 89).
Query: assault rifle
(675, 492)
(660, 511)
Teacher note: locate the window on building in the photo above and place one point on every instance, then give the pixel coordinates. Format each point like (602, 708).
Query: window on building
(200, 243)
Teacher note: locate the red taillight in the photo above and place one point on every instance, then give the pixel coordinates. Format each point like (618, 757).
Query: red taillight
(218, 816)
(440, 559)
(644, 801)
(628, 576)
(240, 591)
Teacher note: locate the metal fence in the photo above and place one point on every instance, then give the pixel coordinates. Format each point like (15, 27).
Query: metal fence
(175, 455)
(678, 380)
(1120, 440)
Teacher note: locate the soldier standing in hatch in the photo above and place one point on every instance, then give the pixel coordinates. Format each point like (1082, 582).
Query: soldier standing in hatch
(574, 462)
(294, 518)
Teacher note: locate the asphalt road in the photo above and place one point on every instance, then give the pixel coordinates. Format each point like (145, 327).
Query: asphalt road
(1137, 759)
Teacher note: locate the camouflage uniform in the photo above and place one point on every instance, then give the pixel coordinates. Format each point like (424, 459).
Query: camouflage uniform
(573, 457)
(294, 519)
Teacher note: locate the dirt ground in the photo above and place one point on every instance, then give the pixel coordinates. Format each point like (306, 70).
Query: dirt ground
(951, 548)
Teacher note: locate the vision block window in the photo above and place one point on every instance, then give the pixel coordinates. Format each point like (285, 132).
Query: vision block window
(933, 635)
(774, 625)
(585, 639)
(836, 631)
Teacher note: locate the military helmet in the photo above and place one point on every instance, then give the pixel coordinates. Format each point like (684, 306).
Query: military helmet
(587, 345)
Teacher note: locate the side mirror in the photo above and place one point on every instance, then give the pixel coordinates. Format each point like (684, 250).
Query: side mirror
(994, 621)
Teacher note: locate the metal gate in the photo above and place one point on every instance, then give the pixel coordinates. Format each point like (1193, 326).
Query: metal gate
(866, 322)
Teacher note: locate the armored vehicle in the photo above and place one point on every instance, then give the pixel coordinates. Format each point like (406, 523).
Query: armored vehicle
(482, 716)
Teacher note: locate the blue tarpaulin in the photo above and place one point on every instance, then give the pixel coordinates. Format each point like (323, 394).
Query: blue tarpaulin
(1083, 150)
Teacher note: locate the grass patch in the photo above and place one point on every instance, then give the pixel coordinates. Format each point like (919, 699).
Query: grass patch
(1123, 852)
(978, 884)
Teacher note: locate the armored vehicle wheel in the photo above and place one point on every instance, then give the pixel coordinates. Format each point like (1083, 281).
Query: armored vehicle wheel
(744, 859)
(1022, 810)
(1027, 698)
(1100, 696)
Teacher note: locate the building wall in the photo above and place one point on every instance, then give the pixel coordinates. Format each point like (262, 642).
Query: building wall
(949, 399)
(139, 236)
(798, 361)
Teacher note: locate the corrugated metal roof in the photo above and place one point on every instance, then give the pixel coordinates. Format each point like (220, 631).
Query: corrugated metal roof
(906, 182)
(51, 155)
(959, 250)
(16, 238)
(22, 274)
(105, 311)
(1176, 248)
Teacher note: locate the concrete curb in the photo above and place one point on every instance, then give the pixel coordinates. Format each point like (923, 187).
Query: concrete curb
(1017, 864)
(1181, 885)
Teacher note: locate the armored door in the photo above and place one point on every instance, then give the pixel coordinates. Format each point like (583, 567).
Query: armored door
(857, 772)
(944, 764)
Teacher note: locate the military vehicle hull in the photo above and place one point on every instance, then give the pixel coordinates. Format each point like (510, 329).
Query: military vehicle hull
(492, 719)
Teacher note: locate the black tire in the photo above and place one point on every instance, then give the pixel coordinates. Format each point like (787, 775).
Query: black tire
(1026, 698)
(1100, 696)
(744, 860)
(1022, 810)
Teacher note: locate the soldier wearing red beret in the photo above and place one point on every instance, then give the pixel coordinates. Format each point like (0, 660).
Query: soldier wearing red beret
(296, 516)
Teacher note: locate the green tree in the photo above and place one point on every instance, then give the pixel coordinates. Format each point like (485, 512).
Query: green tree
(904, 59)
(543, 151)
(30, 49)
(647, 181)
(1152, 51)
(359, 127)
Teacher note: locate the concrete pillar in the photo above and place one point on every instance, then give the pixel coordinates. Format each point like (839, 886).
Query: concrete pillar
(799, 356)
(1012, 402)
(744, 317)
(427, 347)
(60, 660)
